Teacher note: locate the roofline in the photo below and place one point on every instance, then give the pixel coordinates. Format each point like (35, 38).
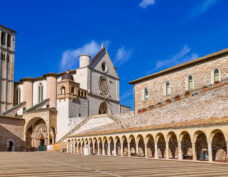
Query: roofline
(181, 66)
(8, 29)
(43, 77)
(176, 125)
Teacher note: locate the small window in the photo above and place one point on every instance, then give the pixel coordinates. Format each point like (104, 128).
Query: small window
(167, 88)
(216, 75)
(146, 94)
(8, 40)
(104, 67)
(18, 96)
(3, 38)
(63, 90)
(40, 94)
(190, 83)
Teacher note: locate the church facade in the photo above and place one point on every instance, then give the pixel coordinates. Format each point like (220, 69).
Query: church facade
(55, 103)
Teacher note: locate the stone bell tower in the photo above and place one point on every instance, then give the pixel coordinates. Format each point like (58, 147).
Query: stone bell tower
(7, 56)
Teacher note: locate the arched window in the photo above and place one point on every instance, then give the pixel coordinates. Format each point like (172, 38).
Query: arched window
(3, 38)
(216, 75)
(167, 88)
(8, 40)
(146, 94)
(63, 90)
(190, 83)
(18, 96)
(40, 94)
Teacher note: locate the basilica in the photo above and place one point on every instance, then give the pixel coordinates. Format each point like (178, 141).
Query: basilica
(47, 108)
(179, 113)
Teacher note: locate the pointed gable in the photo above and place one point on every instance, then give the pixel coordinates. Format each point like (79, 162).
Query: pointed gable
(102, 63)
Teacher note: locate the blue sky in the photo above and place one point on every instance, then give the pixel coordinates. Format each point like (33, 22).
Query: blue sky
(142, 36)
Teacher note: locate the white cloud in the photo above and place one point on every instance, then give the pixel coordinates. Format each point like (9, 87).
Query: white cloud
(184, 55)
(126, 94)
(122, 56)
(146, 3)
(202, 8)
(70, 57)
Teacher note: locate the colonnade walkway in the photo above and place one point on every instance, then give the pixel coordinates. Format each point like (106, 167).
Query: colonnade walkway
(13, 164)
(205, 140)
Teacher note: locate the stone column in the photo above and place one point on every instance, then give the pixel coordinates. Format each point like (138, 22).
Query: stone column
(67, 147)
(156, 150)
(180, 157)
(98, 148)
(129, 149)
(93, 148)
(146, 155)
(74, 148)
(121, 149)
(167, 150)
(210, 152)
(137, 149)
(109, 149)
(114, 149)
(103, 149)
(194, 152)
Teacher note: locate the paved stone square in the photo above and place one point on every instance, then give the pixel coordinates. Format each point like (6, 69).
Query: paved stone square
(62, 164)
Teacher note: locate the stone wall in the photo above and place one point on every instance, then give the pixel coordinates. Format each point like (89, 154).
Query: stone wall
(11, 129)
(202, 75)
(208, 104)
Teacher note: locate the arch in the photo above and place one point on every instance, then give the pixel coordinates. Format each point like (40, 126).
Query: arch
(105, 144)
(173, 145)
(118, 146)
(100, 149)
(36, 134)
(141, 145)
(186, 145)
(95, 145)
(104, 108)
(132, 143)
(125, 145)
(219, 147)
(111, 141)
(160, 139)
(63, 90)
(201, 145)
(150, 146)
(10, 145)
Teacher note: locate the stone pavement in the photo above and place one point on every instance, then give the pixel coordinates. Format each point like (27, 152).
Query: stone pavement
(62, 164)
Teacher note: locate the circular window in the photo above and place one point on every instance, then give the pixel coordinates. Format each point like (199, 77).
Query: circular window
(103, 85)
(104, 67)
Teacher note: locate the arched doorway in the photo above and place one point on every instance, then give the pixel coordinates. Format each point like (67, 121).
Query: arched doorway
(104, 108)
(201, 144)
(37, 134)
(150, 146)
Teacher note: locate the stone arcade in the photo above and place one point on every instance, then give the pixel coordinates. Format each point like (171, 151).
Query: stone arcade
(180, 113)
